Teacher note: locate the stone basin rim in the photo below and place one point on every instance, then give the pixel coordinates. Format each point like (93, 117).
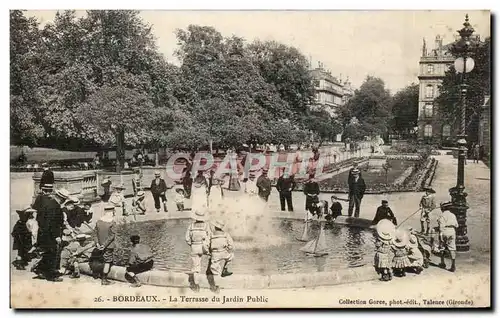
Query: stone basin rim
(247, 281)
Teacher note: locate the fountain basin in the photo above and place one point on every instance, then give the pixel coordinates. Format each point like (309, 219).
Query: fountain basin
(282, 266)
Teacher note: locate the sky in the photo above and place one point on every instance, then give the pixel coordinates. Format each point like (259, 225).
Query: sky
(353, 44)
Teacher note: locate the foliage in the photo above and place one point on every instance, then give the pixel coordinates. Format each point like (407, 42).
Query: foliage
(479, 84)
(371, 105)
(405, 109)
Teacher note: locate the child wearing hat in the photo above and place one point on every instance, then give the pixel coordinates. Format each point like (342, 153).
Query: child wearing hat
(21, 240)
(384, 253)
(32, 225)
(179, 199)
(221, 254)
(76, 253)
(447, 234)
(400, 261)
(118, 199)
(427, 204)
(198, 238)
(139, 203)
(414, 255)
(105, 230)
(140, 260)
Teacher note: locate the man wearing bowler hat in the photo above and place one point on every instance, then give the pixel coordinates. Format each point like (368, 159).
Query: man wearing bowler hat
(264, 185)
(357, 189)
(47, 175)
(158, 189)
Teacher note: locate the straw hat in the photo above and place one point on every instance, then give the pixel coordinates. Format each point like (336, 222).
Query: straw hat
(219, 224)
(141, 193)
(26, 210)
(180, 190)
(73, 199)
(385, 229)
(401, 239)
(63, 193)
(430, 190)
(355, 171)
(82, 236)
(157, 173)
(120, 186)
(413, 241)
(48, 186)
(109, 207)
(199, 216)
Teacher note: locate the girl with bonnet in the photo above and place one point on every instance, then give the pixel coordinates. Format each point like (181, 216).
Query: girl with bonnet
(384, 253)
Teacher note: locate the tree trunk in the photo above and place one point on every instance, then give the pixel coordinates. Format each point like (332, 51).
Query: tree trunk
(210, 146)
(120, 150)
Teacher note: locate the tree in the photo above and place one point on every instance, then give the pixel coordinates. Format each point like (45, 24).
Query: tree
(229, 101)
(287, 69)
(479, 84)
(371, 105)
(405, 109)
(120, 113)
(25, 41)
(321, 124)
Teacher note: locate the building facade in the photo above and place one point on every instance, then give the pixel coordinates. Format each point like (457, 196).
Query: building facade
(331, 93)
(485, 127)
(433, 66)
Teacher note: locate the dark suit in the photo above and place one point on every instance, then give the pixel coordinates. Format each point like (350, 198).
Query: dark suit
(356, 193)
(47, 178)
(158, 192)
(384, 212)
(285, 187)
(50, 228)
(264, 187)
(311, 188)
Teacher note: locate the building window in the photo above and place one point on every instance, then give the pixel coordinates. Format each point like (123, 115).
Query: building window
(429, 91)
(428, 108)
(427, 131)
(446, 131)
(430, 69)
(317, 97)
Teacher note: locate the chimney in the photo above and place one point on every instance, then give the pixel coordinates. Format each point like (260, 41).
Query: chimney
(424, 48)
(439, 43)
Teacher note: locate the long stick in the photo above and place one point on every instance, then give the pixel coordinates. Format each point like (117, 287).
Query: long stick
(408, 217)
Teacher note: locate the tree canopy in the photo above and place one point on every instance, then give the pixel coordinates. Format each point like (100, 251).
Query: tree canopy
(405, 109)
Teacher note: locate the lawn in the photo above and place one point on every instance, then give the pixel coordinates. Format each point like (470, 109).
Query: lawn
(370, 177)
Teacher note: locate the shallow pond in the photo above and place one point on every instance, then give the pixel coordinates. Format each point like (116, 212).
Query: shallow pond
(346, 247)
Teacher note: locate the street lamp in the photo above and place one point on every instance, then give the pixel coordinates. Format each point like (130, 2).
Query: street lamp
(463, 64)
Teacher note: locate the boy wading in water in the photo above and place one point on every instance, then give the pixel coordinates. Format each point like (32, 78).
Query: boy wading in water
(427, 204)
(221, 254)
(140, 261)
(105, 229)
(198, 238)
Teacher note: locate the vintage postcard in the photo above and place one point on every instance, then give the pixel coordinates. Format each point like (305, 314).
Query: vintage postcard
(250, 159)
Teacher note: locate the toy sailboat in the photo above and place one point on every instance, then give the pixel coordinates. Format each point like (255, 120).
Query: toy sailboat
(305, 233)
(317, 247)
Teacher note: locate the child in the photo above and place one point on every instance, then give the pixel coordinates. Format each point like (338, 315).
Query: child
(139, 203)
(427, 204)
(22, 239)
(32, 225)
(415, 255)
(384, 254)
(335, 209)
(179, 199)
(76, 253)
(221, 254)
(105, 230)
(140, 260)
(88, 212)
(400, 261)
(198, 238)
(447, 226)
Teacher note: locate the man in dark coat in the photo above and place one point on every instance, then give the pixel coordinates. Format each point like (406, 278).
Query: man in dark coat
(384, 212)
(285, 186)
(351, 175)
(357, 189)
(47, 175)
(264, 186)
(49, 238)
(311, 190)
(158, 189)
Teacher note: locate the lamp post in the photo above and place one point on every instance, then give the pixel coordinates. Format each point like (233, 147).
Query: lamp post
(463, 65)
